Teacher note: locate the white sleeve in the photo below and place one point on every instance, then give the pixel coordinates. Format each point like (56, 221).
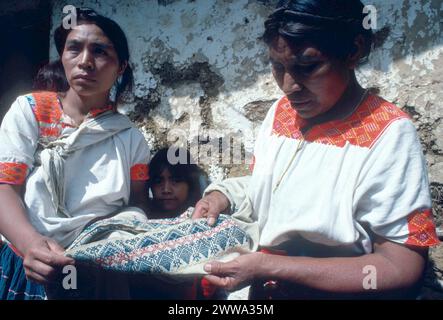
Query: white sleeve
(18, 142)
(140, 156)
(235, 189)
(392, 196)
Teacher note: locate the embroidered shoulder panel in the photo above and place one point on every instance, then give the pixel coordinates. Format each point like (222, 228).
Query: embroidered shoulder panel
(362, 128)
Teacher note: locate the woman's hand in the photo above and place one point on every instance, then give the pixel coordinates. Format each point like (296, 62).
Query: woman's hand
(210, 207)
(43, 259)
(235, 274)
(334, 277)
(41, 255)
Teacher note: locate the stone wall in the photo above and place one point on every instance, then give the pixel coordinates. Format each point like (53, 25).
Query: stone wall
(201, 73)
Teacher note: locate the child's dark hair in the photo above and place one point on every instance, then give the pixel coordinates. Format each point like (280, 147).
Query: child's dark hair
(113, 31)
(183, 170)
(51, 77)
(331, 25)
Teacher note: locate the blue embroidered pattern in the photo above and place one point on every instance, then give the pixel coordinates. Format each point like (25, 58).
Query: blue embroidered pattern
(163, 246)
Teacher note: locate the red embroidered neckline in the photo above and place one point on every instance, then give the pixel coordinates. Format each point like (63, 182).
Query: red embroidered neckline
(362, 128)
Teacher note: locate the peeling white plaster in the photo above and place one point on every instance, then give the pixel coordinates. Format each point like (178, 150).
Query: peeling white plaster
(427, 58)
(406, 68)
(216, 173)
(144, 84)
(412, 12)
(149, 137)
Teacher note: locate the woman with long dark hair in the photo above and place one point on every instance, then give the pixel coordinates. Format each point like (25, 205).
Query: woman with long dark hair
(339, 185)
(68, 157)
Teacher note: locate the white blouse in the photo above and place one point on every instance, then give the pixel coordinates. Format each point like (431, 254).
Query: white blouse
(350, 179)
(96, 178)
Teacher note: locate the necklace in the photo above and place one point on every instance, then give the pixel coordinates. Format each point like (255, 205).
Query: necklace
(363, 97)
(302, 141)
(299, 146)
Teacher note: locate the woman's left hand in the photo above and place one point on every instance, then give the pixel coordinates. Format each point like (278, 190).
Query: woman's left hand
(210, 207)
(235, 274)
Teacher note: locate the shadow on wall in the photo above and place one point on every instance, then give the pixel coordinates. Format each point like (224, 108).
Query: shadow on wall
(420, 30)
(403, 30)
(24, 43)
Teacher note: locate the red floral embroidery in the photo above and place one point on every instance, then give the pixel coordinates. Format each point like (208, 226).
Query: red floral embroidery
(422, 229)
(47, 107)
(362, 128)
(96, 112)
(286, 120)
(48, 113)
(13, 173)
(140, 172)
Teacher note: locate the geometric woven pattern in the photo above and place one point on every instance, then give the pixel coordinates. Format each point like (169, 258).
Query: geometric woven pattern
(140, 172)
(13, 173)
(49, 114)
(162, 246)
(95, 112)
(287, 122)
(362, 128)
(422, 229)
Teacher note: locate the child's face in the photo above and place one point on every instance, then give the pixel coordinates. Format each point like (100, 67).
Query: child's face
(169, 193)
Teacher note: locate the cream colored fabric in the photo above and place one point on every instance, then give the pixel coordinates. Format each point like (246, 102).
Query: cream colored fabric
(53, 156)
(96, 178)
(333, 196)
(178, 247)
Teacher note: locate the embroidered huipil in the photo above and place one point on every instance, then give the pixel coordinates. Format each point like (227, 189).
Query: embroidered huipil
(352, 179)
(96, 178)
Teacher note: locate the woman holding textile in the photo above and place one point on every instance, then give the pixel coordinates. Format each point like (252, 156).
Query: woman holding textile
(339, 184)
(67, 158)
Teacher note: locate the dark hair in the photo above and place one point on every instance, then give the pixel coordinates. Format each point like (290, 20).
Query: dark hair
(113, 31)
(51, 77)
(183, 170)
(331, 25)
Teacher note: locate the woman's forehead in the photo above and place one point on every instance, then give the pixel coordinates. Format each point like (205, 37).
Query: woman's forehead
(281, 46)
(89, 32)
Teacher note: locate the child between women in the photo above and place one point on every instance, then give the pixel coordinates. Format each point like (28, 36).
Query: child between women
(173, 188)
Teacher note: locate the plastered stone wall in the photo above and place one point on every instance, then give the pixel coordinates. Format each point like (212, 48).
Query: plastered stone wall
(201, 73)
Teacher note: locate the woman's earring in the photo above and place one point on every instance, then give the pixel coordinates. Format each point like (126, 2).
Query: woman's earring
(113, 92)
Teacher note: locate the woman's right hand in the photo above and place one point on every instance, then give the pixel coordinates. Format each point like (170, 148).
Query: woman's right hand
(210, 206)
(43, 260)
(42, 257)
